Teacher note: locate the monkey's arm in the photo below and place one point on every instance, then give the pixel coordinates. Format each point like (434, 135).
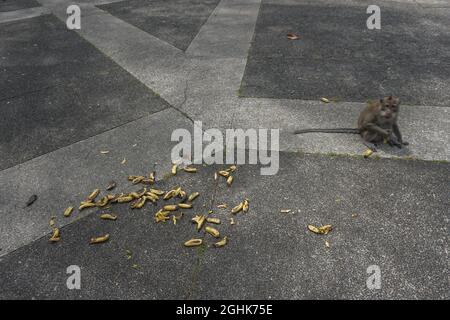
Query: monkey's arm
(374, 128)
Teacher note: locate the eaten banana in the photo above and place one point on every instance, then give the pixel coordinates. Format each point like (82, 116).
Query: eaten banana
(55, 236)
(230, 181)
(213, 220)
(237, 208)
(93, 195)
(123, 199)
(321, 230)
(193, 242)
(102, 202)
(224, 173)
(212, 231)
(100, 239)
(367, 153)
(157, 192)
(68, 212)
(221, 243)
(245, 205)
(199, 220)
(108, 216)
(85, 205)
(170, 194)
(170, 207)
(193, 196)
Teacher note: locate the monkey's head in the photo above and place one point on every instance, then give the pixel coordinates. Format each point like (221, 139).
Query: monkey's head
(389, 107)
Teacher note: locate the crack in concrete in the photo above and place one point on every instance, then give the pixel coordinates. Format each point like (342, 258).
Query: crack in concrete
(201, 251)
(185, 97)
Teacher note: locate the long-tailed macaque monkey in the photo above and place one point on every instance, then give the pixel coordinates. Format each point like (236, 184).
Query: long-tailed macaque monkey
(377, 123)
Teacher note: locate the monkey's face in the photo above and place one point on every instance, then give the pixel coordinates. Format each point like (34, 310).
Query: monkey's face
(389, 107)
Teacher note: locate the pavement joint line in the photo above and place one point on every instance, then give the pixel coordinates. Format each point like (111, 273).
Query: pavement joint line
(179, 107)
(22, 14)
(57, 7)
(88, 138)
(102, 2)
(202, 249)
(302, 101)
(30, 92)
(374, 157)
(78, 218)
(435, 6)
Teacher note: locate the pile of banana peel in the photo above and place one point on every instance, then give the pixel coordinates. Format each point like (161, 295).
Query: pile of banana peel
(174, 211)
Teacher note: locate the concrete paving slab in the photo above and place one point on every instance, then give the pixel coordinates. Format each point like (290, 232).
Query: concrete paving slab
(60, 89)
(337, 56)
(228, 31)
(152, 61)
(426, 128)
(401, 227)
(160, 266)
(13, 5)
(64, 176)
(175, 21)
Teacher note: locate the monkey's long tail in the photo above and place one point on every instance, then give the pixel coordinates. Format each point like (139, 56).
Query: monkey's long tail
(339, 130)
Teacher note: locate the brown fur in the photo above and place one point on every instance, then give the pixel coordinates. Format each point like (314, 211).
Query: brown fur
(377, 123)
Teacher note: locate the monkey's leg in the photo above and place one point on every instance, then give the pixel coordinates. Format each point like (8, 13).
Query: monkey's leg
(393, 141)
(399, 135)
(367, 138)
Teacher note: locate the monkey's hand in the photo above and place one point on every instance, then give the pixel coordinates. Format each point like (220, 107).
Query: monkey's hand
(393, 141)
(388, 134)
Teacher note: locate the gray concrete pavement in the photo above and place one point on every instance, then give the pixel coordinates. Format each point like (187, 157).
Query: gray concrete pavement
(339, 57)
(133, 82)
(173, 22)
(63, 176)
(48, 100)
(402, 227)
